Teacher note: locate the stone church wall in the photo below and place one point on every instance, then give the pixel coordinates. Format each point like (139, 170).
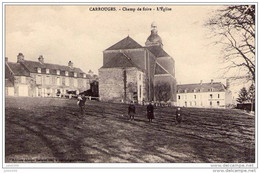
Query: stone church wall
(115, 85)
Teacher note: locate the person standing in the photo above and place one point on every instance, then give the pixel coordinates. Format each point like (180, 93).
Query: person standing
(131, 111)
(150, 113)
(178, 115)
(81, 103)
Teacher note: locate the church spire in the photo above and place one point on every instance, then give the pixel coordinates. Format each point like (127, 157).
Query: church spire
(154, 39)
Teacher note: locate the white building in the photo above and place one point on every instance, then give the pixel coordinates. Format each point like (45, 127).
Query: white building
(210, 95)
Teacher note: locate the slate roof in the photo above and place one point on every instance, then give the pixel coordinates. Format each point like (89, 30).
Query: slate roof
(159, 70)
(120, 60)
(126, 43)
(33, 65)
(157, 51)
(204, 87)
(16, 68)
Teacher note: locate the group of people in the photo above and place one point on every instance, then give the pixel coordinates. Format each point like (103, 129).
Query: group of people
(150, 112)
(131, 110)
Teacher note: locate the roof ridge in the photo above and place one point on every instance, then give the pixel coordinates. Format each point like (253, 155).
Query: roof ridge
(55, 65)
(117, 44)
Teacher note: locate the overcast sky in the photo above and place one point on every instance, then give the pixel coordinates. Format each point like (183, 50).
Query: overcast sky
(63, 33)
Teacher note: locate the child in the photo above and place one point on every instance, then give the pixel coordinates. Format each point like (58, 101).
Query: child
(178, 115)
(131, 111)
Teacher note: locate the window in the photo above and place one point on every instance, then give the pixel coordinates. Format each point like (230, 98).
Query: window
(58, 80)
(47, 80)
(194, 96)
(23, 79)
(211, 96)
(179, 97)
(66, 73)
(185, 104)
(39, 70)
(75, 74)
(218, 103)
(210, 103)
(58, 72)
(218, 95)
(39, 92)
(38, 79)
(47, 71)
(75, 82)
(195, 103)
(140, 91)
(67, 81)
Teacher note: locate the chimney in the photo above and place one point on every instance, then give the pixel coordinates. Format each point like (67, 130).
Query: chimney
(227, 84)
(20, 57)
(41, 59)
(211, 82)
(200, 82)
(6, 59)
(70, 64)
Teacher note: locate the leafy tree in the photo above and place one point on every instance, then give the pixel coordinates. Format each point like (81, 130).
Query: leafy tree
(162, 92)
(233, 27)
(243, 96)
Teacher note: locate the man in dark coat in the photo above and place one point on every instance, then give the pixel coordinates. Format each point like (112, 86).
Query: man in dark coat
(178, 115)
(131, 111)
(150, 114)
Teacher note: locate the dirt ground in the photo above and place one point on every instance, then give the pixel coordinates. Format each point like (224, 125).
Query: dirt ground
(53, 130)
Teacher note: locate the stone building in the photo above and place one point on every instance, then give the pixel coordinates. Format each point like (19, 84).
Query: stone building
(40, 79)
(132, 72)
(210, 95)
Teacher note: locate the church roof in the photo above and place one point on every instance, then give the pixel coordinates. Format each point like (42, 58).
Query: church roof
(157, 51)
(120, 60)
(159, 70)
(203, 87)
(126, 43)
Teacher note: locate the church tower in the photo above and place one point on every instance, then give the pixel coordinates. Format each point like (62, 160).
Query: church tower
(154, 39)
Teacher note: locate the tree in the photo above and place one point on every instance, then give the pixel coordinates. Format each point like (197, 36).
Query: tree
(162, 92)
(233, 27)
(251, 93)
(243, 96)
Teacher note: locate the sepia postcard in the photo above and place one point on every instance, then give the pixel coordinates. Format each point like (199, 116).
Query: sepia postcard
(129, 85)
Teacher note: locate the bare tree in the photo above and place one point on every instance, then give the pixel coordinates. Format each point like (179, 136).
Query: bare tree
(234, 29)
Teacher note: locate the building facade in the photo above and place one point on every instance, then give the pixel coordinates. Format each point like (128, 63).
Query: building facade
(209, 95)
(130, 72)
(40, 79)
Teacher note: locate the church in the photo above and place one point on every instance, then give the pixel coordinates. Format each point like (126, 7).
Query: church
(132, 72)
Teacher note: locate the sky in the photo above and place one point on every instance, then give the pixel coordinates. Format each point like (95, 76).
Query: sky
(64, 33)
